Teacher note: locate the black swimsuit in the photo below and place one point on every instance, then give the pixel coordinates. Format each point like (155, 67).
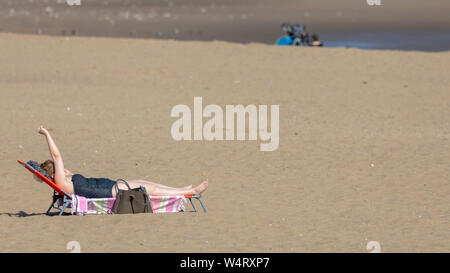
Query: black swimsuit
(92, 187)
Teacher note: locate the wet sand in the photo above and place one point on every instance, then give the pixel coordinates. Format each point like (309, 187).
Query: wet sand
(363, 155)
(400, 39)
(412, 23)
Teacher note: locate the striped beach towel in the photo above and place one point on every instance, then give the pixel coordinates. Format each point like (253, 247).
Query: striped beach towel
(82, 205)
(161, 204)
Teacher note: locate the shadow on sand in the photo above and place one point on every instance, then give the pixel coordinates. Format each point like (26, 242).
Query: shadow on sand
(24, 214)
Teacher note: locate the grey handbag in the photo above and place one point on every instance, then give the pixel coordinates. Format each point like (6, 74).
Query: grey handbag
(131, 200)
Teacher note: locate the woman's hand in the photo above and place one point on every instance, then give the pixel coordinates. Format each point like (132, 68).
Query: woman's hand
(42, 131)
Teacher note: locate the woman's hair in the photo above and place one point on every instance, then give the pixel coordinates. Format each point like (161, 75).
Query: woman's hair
(315, 37)
(48, 166)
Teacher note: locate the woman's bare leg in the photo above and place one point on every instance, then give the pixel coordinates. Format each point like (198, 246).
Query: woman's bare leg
(156, 190)
(144, 182)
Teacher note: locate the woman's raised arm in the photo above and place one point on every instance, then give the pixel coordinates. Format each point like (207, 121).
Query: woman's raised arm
(59, 175)
(54, 151)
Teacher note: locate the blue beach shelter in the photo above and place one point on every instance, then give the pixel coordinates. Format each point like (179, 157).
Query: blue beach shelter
(285, 41)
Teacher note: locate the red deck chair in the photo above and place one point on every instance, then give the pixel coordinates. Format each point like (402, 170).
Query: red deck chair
(58, 193)
(64, 200)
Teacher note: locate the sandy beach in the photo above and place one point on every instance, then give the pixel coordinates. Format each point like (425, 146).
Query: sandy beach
(363, 153)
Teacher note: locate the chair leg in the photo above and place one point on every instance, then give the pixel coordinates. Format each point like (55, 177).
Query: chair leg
(199, 198)
(201, 203)
(66, 203)
(49, 208)
(193, 205)
(52, 205)
(56, 198)
(63, 209)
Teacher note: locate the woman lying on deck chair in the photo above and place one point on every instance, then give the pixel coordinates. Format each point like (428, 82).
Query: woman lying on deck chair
(102, 187)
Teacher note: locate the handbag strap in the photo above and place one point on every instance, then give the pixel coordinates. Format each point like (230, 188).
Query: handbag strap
(121, 181)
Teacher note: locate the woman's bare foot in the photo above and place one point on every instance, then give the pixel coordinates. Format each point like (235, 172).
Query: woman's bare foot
(201, 188)
(188, 187)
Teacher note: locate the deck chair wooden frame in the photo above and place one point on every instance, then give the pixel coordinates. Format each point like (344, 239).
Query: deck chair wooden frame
(66, 199)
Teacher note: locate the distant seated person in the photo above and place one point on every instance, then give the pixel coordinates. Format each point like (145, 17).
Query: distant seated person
(304, 38)
(296, 35)
(315, 40)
